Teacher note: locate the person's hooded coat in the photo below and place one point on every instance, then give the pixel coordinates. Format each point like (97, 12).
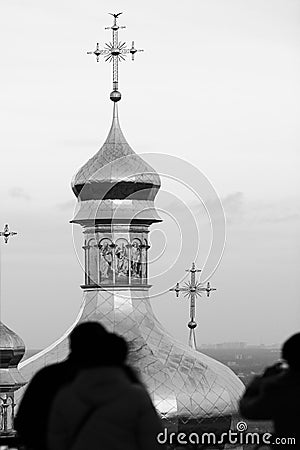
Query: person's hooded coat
(103, 409)
(275, 398)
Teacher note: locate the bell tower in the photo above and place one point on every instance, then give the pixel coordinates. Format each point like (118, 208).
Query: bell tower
(116, 191)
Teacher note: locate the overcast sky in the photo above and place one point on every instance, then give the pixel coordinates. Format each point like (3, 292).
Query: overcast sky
(217, 86)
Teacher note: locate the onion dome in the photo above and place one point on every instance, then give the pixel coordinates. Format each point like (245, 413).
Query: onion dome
(12, 350)
(116, 173)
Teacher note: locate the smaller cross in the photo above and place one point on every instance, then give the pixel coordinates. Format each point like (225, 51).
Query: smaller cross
(6, 233)
(192, 289)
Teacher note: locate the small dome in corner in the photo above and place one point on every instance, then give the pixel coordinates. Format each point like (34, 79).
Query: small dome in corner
(12, 347)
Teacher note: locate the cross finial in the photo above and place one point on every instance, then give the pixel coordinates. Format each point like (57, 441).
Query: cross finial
(192, 290)
(6, 233)
(115, 52)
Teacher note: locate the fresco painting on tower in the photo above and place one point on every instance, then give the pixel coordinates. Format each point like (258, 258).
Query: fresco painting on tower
(119, 262)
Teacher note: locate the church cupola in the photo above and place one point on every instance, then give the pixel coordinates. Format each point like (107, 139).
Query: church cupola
(114, 174)
(116, 189)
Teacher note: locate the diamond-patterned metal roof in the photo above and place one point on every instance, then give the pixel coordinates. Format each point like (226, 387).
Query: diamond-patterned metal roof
(190, 390)
(12, 350)
(115, 162)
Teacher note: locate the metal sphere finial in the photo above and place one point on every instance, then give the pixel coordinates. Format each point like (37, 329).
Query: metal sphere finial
(115, 96)
(192, 324)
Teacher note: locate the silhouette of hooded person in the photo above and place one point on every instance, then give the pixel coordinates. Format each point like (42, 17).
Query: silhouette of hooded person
(33, 413)
(276, 396)
(102, 407)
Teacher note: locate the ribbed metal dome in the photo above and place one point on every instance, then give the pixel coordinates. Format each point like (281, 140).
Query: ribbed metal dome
(116, 172)
(12, 350)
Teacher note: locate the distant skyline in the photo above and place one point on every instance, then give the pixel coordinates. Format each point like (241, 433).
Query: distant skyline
(218, 86)
(277, 346)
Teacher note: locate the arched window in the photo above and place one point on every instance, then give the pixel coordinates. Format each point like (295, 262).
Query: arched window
(6, 412)
(144, 258)
(106, 264)
(86, 254)
(122, 266)
(136, 261)
(92, 262)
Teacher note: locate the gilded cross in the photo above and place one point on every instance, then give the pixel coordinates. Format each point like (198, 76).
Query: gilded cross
(192, 289)
(6, 233)
(115, 52)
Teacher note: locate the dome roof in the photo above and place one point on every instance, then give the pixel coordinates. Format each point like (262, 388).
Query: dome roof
(12, 348)
(116, 172)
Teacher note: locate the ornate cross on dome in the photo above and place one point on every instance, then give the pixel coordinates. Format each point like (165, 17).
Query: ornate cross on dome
(192, 290)
(6, 233)
(115, 52)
